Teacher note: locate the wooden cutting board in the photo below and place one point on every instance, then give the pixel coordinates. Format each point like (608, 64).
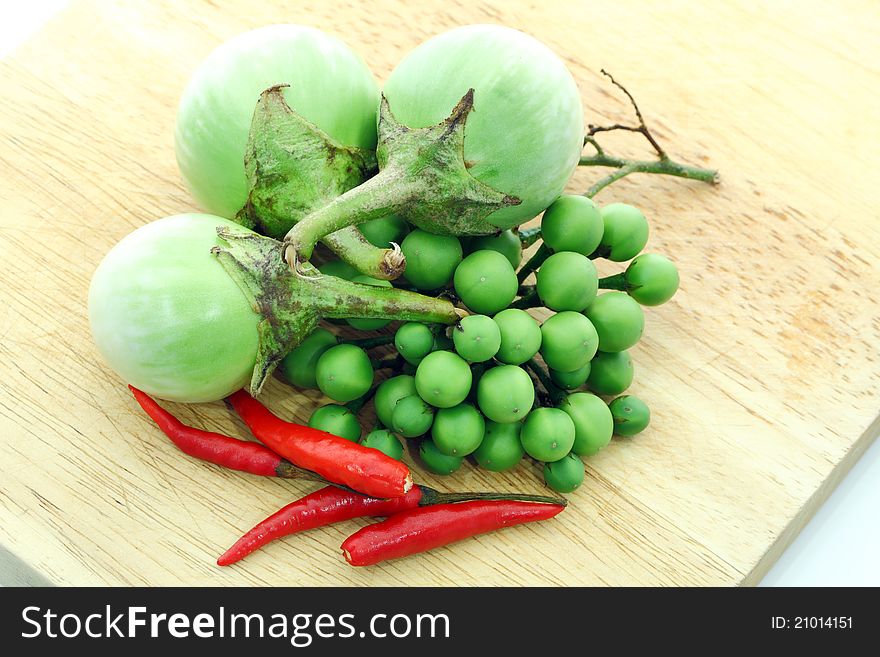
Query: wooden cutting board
(763, 373)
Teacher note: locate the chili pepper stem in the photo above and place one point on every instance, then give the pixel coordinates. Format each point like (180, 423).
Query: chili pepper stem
(422, 176)
(431, 496)
(287, 470)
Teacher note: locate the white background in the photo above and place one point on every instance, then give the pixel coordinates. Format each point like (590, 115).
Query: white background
(840, 546)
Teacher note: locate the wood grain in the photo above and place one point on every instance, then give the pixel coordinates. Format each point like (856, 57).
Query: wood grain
(763, 373)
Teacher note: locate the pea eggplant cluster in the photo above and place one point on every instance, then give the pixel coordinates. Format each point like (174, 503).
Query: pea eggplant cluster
(335, 209)
(499, 385)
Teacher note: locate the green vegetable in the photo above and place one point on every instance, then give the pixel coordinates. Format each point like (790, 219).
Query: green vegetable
(618, 320)
(412, 417)
(526, 136)
(344, 372)
(520, 336)
(385, 441)
(651, 279)
(625, 233)
(507, 243)
(567, 281)
(486, 282)
(172, 307)
(443, 379)
(572, 223)
(430, 259)
(310, 137)
(593, 423)
(458, 431)
(547, 434)
(568, 341)
(299, 365)
(337, 420)
(631, 415)
(384, 231)
(413, 341)
(611, 373)
(167, 318)
(565, 475)
(505, 394)
(330, 86)
(338, 268)
(570, 380)
(520, 149)
(369, 324)
(389, 393)
(501, 448)
(436, 461)
(477, 338)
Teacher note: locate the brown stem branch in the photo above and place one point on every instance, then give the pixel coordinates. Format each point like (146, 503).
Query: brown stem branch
(623, 167)
(641, 128)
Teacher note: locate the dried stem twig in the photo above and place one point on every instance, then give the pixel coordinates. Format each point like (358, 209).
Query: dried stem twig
(663, 165)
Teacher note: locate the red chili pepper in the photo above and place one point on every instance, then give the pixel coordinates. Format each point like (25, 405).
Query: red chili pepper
(323, 507)
(330, 505)
(336, 459)
(422, 529)
(216, 448)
